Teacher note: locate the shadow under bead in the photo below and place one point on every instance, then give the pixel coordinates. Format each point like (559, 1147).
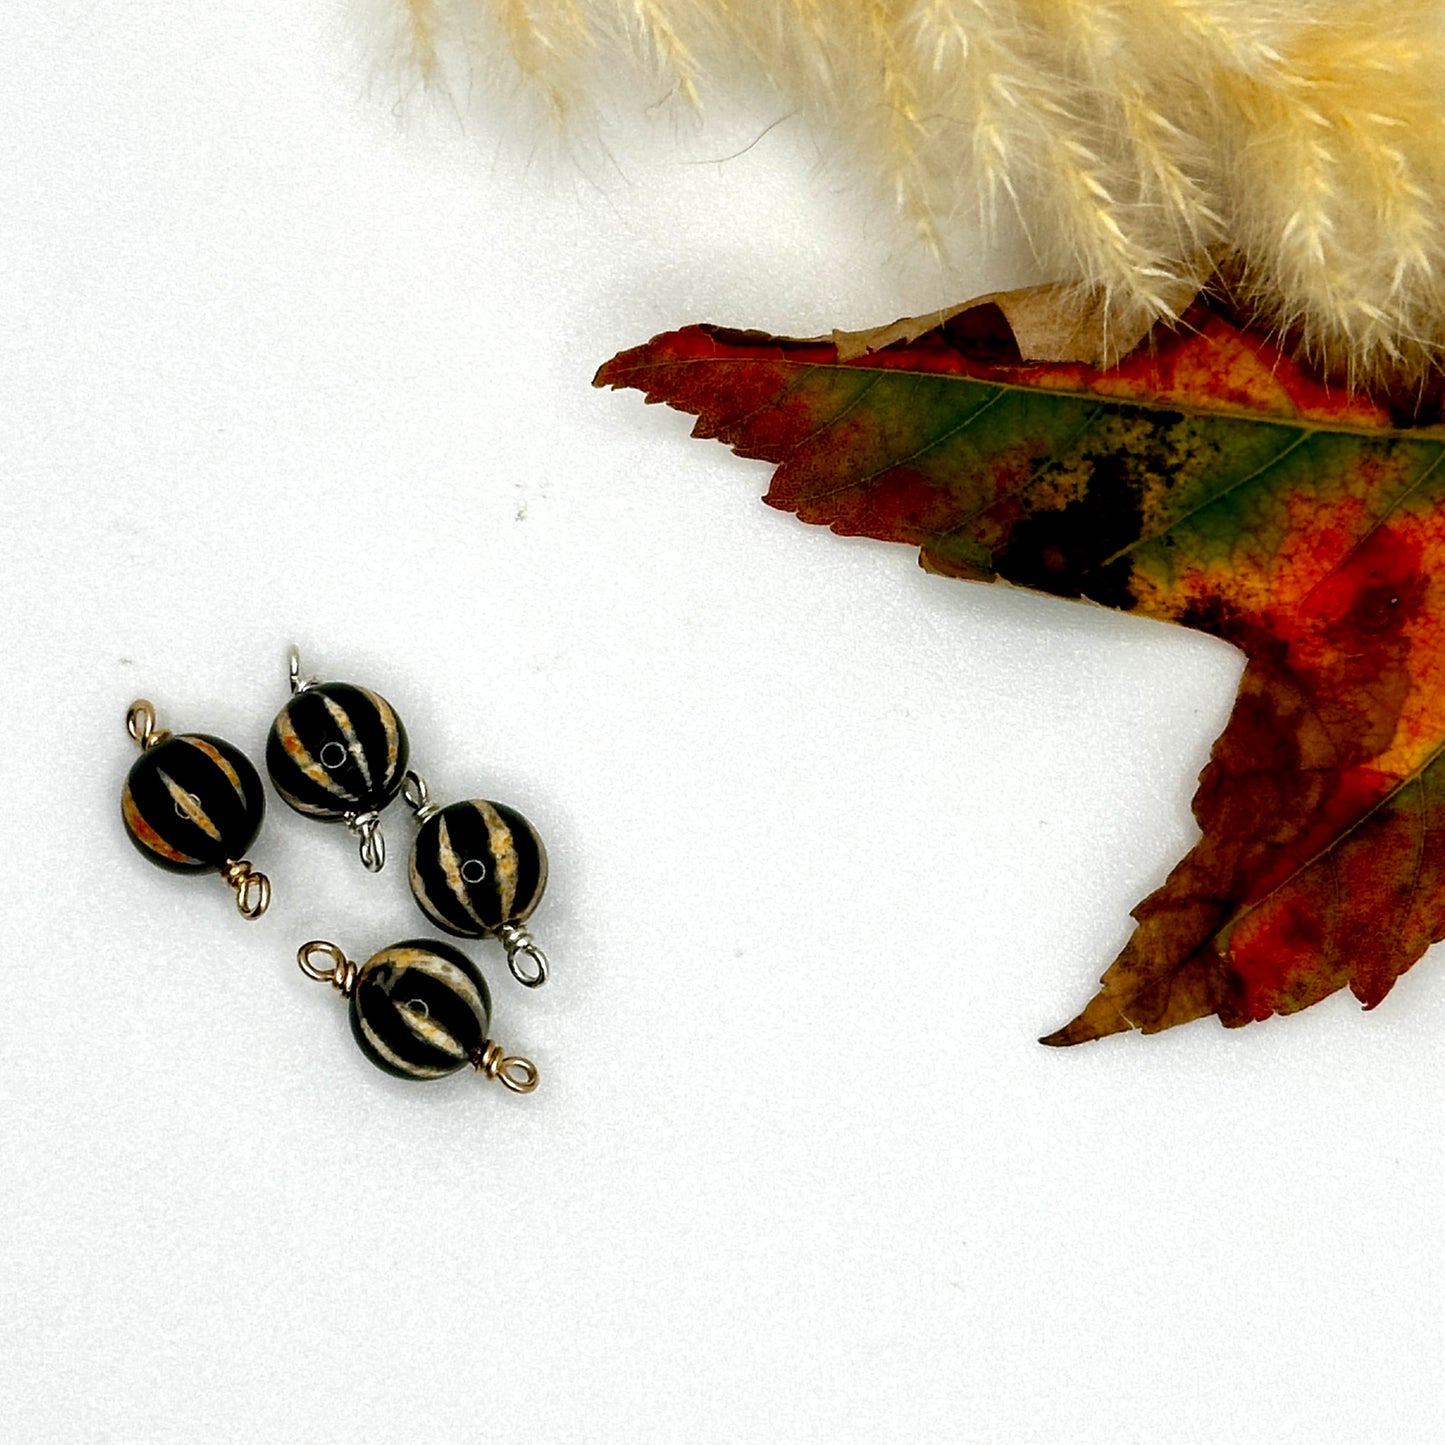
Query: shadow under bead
(193, 802)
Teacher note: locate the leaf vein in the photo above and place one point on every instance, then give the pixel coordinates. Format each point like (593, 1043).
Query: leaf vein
(1299, 441)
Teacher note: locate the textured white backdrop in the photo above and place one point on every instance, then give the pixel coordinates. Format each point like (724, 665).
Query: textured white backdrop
(832, 841)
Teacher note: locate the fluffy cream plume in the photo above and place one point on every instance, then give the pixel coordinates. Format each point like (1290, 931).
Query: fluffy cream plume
(1147, 145)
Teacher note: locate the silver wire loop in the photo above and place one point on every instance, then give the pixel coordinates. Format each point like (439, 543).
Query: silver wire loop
(416, 796)
(371, 845)
(293, 667)
(140, 723)
(342, 973)
(518, 1074)
(519, 943)
(252, 889)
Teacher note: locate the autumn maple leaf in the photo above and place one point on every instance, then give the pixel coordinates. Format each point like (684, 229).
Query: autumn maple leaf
(1208, 480)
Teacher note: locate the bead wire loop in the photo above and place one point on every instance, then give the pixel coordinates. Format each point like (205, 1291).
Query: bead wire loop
(370, 843)
(417, 797)
(252, 889)
(140, 723)
(520, 944)
(293, 667)
(493, 1062)
(342, 973)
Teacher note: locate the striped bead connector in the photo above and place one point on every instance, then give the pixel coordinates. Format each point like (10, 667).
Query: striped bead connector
(339, 753)
(476, 866)
(193, 802)
(420, 1009)
(478, 869)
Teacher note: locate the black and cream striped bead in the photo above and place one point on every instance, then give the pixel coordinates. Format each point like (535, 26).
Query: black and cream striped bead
(337, 750)
(476, 866)
(420, 1010)
(192, 802)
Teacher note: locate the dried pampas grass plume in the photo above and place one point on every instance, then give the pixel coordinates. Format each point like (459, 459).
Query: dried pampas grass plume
(1148, 146)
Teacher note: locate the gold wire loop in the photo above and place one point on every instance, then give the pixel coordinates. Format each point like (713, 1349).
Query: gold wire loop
(140, 723)
(371, 845)
(252, 889)
(342, 973)
(516, 1073)
(417, 796)
(520, 944)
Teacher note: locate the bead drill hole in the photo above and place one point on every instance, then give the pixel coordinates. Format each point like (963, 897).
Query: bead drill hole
(333, 755)
(181, 812)
(473, 870)
(418, 1007)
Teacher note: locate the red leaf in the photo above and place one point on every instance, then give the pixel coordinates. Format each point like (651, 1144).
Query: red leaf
(1207, 480)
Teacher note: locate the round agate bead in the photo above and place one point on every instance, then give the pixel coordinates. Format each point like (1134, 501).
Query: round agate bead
(337, 750)
(476, 866)
(192, 802)
(420, 1010)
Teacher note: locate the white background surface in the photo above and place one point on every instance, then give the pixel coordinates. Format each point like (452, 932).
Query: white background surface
(832, 842)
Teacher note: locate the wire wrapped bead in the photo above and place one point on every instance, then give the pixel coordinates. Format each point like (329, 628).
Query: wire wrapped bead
(336, 751)
(476, 867)
(192, 802)
(420, 1010)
